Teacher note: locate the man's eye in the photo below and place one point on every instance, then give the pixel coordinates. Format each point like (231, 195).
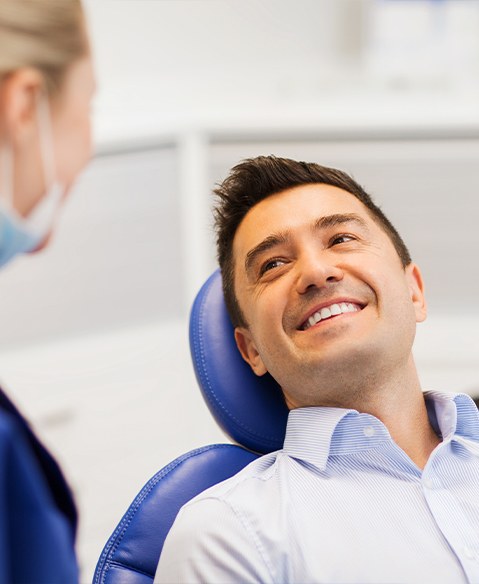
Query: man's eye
(270, 265)
(342, 238)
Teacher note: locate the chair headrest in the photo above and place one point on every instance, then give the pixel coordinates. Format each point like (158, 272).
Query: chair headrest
(250, 409)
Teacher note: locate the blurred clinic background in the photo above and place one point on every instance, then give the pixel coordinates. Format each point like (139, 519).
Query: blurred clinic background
(93, 335)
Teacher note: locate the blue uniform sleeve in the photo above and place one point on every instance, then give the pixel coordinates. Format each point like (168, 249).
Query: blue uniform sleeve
(36, 540)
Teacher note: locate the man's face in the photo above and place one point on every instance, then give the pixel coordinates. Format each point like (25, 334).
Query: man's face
(330, 308)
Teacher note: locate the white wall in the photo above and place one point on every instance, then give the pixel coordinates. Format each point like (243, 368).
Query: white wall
(189, 53)
(163, 64)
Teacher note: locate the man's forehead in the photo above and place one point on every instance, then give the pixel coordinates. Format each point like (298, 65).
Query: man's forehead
(297, 208)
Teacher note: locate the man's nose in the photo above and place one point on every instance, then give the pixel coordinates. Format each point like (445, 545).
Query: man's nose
(316, 270)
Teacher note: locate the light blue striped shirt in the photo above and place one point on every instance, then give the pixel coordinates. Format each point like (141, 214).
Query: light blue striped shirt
(341, 503)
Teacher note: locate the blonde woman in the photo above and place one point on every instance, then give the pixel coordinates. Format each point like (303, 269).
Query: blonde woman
(46, 85)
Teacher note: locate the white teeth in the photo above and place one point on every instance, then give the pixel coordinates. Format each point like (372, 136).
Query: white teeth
(335, 309)
(328, 312)
(325, 313)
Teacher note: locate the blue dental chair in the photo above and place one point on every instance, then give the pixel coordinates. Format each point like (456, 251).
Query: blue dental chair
(249, 409)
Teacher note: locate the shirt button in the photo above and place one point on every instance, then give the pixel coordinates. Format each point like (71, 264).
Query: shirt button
(369, 431)
(469, 553)
(428, 483)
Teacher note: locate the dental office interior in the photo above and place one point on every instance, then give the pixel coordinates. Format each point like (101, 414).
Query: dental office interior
(97, 355)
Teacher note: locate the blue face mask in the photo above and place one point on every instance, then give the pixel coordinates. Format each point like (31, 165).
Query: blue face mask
(19, 235)
(15, 237)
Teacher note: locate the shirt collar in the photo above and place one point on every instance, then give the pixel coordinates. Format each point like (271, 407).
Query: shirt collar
(453, 414)
(315, 433)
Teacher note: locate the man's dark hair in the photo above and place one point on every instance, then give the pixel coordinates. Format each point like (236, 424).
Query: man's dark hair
(255, 179)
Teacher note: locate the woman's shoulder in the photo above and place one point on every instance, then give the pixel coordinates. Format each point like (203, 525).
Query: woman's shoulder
(14, 446)
(10, 429)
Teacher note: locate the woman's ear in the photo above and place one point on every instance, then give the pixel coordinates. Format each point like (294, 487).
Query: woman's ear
(18, 97)
(248, 350)
(416, 288)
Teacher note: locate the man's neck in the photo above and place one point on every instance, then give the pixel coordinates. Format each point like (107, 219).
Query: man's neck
(400, 405)
(395, 398)
(408, 424)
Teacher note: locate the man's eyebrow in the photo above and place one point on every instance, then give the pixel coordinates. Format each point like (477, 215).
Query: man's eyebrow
(339, 219)
(267, 243)
(283, 237)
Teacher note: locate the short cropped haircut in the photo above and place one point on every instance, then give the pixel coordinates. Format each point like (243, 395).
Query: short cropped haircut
(255, 179)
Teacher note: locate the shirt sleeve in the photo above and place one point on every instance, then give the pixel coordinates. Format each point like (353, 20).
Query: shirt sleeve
(209, 543)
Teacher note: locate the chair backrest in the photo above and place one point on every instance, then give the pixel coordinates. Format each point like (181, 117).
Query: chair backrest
(132, 552)
(250, 409)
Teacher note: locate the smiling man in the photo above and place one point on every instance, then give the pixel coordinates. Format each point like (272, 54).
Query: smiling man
(377, 481)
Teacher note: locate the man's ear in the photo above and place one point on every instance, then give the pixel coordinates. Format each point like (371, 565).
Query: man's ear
(248, 350)
(416, 288)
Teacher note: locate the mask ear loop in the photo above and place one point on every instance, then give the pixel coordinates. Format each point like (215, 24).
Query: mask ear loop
(46, 139)
(6, 194)
(42, 217)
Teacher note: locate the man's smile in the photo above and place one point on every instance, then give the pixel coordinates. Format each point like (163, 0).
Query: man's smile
(328, 310)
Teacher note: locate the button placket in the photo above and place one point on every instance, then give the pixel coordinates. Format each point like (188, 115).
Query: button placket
(443, 505)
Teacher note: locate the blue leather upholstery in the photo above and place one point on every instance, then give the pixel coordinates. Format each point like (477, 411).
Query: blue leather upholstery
(248, 408)
(132, 552)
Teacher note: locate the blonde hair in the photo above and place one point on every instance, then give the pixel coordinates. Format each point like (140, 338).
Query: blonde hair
(48, 35)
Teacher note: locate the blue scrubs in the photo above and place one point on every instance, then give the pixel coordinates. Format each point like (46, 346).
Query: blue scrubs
(38, 517)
